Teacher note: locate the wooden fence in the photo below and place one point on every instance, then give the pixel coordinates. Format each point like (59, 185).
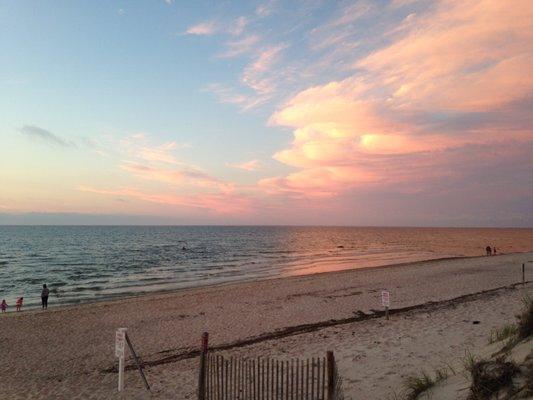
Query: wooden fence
(223, 378)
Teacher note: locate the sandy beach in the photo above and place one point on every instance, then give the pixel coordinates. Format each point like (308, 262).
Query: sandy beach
(68, 353)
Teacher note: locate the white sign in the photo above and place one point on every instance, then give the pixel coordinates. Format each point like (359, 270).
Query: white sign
(120, 343)
(385, 298)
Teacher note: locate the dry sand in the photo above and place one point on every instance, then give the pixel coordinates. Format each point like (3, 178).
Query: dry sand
(63, 353)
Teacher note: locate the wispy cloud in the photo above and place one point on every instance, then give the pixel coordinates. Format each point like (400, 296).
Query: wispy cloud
(139, 147)
(176, 176)
(252, 165)
(44, 135)
(238, 26)
(260, 77)
(258, 74)
(230, 95)
(203, 28)
(225, 203)
(351, 13)
(207, 28)
(238, 47)
(266, 9)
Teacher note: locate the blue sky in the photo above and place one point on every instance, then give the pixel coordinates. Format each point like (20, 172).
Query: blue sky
(80, 67)
(315, 112)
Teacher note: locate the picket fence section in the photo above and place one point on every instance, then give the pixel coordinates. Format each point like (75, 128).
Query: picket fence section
(234, 378)
(265, 379)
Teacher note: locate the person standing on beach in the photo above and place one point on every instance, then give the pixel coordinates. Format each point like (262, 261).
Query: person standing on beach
(3, 306)
(19, 302)
(488, 249)
(44, 297)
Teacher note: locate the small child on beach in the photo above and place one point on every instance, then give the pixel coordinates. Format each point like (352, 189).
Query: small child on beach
(18, 305)
(3, 306)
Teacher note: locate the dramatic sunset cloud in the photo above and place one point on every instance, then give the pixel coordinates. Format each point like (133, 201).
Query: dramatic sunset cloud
(385, 110)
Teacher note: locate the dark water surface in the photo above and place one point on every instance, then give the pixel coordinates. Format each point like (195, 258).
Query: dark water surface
(87, 263)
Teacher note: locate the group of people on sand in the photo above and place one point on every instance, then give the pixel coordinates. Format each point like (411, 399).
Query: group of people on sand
(20, 301)
(491, 251)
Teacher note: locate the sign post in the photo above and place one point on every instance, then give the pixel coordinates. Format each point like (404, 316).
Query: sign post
(120, 351)
(385, 302)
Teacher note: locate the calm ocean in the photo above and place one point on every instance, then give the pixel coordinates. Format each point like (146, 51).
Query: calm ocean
(88, 263)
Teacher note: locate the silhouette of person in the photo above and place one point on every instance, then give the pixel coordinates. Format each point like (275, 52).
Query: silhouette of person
(44, 297)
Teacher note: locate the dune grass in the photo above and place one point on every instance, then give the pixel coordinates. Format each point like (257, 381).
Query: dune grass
(513, 333)
(416, 385)
(525, 319)
(488, 376)
(506, 332)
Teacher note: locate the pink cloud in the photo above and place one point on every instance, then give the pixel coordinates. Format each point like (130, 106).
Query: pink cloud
(208, 28)
(217, 203)
(252, 165)
(190, 177)
(140, 147)
(463, 57)
(257, 75)
(238, 26)
(202, 29)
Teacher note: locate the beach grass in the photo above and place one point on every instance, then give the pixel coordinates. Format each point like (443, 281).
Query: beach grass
(416, 385)
(525, 319)
(503, 333)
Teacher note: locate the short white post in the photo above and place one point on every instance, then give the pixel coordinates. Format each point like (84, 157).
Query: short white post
(120, 352)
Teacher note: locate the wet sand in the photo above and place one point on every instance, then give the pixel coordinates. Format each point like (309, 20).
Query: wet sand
(65, 353)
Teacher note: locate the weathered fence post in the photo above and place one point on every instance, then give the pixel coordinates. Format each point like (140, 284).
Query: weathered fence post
(203, 357)
(523, 273)
(330, 359)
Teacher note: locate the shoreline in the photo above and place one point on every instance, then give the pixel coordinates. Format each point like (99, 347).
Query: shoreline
(155, 294)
